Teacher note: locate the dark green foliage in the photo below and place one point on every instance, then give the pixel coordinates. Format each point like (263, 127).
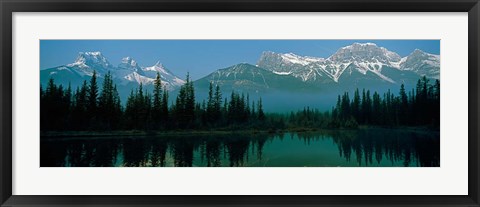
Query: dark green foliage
(79, 114)
(89, 109)
(164, 109)
(185, 106)
(92, 99)
(109, 108)
(157, 112)
(55, 105)
(421, 107)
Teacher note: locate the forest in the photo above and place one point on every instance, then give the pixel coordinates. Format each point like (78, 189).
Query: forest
(92, 107)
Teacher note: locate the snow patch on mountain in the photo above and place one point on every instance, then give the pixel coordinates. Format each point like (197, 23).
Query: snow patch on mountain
(127, 71)
(364, 57)
(422, 63)
(88, 59)
(135, 77)
(296, 59)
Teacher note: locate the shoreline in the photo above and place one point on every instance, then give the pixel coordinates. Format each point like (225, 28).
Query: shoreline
(133, 133)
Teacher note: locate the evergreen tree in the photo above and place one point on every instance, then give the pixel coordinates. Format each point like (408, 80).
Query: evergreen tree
(403, 105)
(164, 108)
(185, 104)
(79, 114)
(376, 109)
(356, 105)
(217, 104)
(338, 106)
(107, 102)
(92, 98)
(157, 100)
(261, 114)
(189, 102)
(131, 111)
(211, 105)
(368, 107)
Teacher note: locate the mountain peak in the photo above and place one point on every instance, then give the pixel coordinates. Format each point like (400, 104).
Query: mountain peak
(286, 59)
(129, 61)
(159, 64)
(268, 53)
(365, 52)
(91, 59)
(422, 63)
(358, 45)
(158, 67)
(365, 44)
(418, 51)
(242, 65)
(96, 53)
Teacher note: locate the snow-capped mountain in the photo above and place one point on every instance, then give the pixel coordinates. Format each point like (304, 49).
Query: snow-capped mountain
(291, 64)
(129, 64)
(127, 75)
(292, 80)
(87, 62)
(365, 58)
(422, 63)
(249, 78)
(127, 72)
(360, 65)
(166, 74)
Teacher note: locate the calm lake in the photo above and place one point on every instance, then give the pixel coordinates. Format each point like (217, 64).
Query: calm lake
(344, 148)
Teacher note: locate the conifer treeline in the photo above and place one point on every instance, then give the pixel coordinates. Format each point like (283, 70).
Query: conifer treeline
(88, 108)
(420, 107)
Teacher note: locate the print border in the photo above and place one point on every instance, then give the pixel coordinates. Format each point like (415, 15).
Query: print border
(7, 7)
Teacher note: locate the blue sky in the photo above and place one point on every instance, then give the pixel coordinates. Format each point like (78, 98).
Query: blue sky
(201, 57)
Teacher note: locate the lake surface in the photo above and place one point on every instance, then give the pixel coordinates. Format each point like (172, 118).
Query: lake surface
(345, 148)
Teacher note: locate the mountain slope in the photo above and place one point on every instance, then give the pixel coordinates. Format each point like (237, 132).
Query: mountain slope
(422, 63)
(128, 72)
(366, 58)
(252, 79)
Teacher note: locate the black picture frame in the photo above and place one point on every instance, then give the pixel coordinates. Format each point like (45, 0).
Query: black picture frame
(7, 7)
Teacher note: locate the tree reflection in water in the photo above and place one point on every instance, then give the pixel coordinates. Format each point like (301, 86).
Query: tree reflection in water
(365, 148)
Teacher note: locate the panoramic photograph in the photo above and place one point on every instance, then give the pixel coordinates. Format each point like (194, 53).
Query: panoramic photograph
(240, 103)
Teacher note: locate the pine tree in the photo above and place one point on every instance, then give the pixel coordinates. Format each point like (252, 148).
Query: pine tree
(247, 107)
(261, 114)
(363, 107)
(79, 114)
(185, 104)
(164, 108)
(377, 109)
(106, 102)
(189, 102)
(356, 105)
(131, 111)
(338, 106)
(92, 98)
(368, 107)
(210, 105)
(157, 100)
(403, 105)
(118, 113)
(217, 106)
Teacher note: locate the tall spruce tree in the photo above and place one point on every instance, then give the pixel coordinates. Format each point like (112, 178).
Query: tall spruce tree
(261, 114)
(217, 105)
(210, 105)
(92, 98)
(157, 100)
